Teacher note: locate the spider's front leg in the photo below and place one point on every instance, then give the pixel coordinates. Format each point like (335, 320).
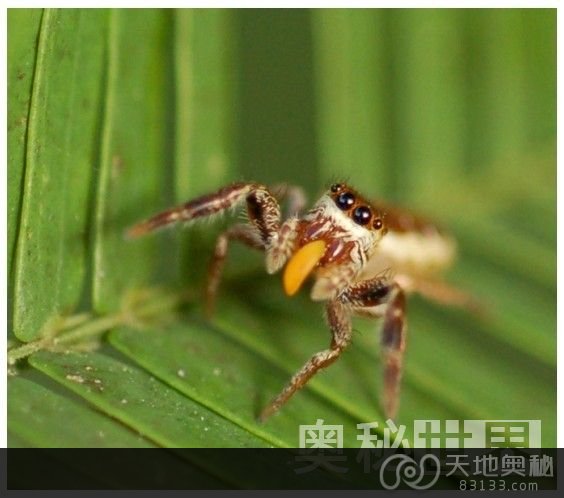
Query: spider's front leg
(338, 316)
(381, 297)
(264, 230)
(210, 205)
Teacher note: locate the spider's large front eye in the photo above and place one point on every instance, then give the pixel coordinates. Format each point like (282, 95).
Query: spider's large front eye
(362, 215)
(345, 200)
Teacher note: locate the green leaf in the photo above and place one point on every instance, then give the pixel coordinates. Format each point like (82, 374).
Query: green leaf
(140, 401)
(353, 123)
(220, 373)
(35, 413)
(428, 101)
(204, 118)
(136, 151)
(23, 28)
(61, 153)
(203, 62)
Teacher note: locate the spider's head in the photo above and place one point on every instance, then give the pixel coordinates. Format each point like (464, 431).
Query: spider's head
(357, 209)
(342, 229)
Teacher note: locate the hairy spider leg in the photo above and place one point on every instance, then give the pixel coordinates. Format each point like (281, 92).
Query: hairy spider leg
(339, 321)
(240, 232)
(205, 206)
(376, 297)
(264, 231)
(382, 296)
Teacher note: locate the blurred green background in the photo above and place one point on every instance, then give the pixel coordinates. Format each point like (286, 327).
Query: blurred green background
(116, 114)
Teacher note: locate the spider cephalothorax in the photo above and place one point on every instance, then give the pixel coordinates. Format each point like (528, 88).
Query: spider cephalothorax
(346, 230)
(349, 246)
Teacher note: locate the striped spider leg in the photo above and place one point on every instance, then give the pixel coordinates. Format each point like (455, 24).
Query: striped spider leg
(264, 231)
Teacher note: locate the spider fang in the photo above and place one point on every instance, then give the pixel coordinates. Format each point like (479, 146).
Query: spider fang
(301, 265)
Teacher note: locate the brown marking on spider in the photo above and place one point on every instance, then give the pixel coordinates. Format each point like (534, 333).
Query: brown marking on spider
(364, 258)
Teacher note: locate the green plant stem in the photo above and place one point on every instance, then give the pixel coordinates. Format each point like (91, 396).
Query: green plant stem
(150, 308)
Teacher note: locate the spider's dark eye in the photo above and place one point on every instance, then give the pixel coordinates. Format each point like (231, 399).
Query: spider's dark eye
(377, 224)
(361, 215)
(336, 187)
(345, 200)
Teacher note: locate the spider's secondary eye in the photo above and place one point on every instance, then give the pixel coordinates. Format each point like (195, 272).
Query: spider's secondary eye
(345, 200)
(361, 215)
(336, 187)
(377, 224)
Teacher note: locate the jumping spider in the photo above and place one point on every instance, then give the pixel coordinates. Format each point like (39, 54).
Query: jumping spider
(364, 257)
